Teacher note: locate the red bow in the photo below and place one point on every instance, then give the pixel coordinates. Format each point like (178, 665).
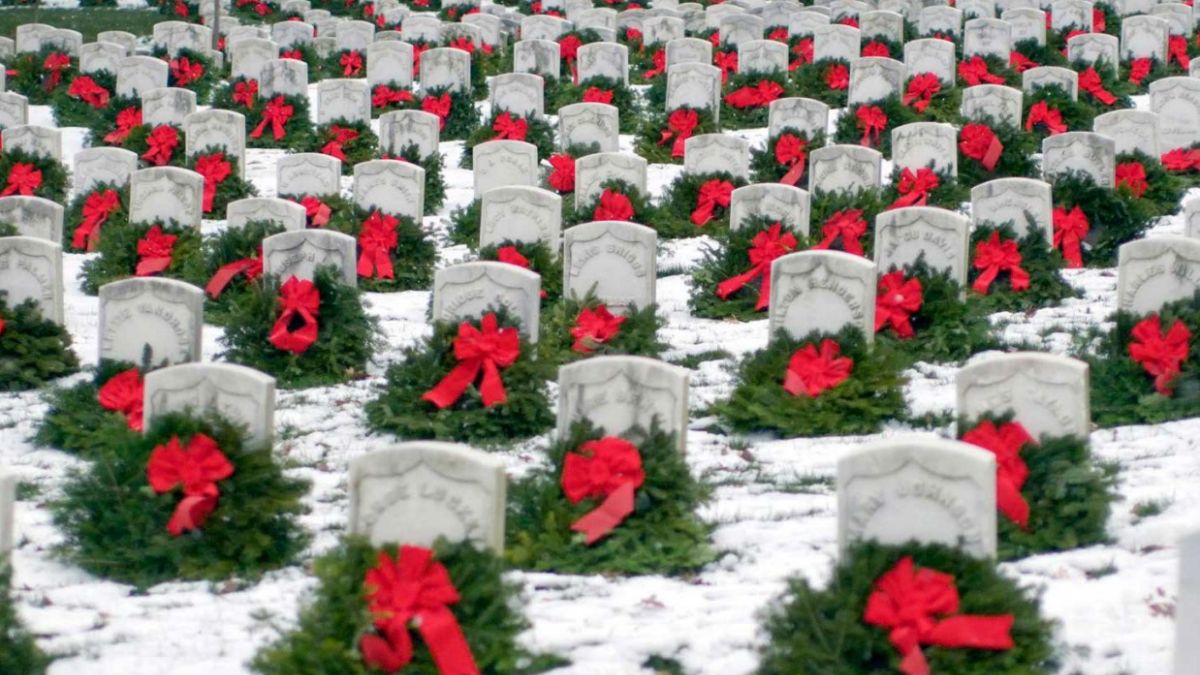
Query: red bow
(196, 469)
(488, 348)
(713, 193)
(127, 119)
(1099, 20)
(463, 43)
(246, 93)
(1132, 176)
(1042, 113)
(184, 72)
(86, 89)
(419, 49)
(1005, 442)
(568, 50)
(293, 54)
(351, 63)
(316, 212)
(756, 96)
(766, 246)
(23, 179)
(1160, 356)
(251, 267)
(1181, 159)
(680, 125)
(376, 240)
(635, 36)
(277, 113)
(215, 169)
(181, 8)
(1021, 63)
(55, 63)
(509, 255)
(96, 209)
(993, 257)
(872, 120)
(613, 206)
(562, 175)
(811, 372)
(921, 90)
(609, 468)
(437, 105)
(1138, 70)
(847, 225)
(123, 393)
(1089, 81)
(1070, 229)
(804, 55)
(896, 300)
(975, 71)
(298, 299)
(980, 143)
(791, 153)
(340, 136)
(383, 96)
(154, 252)
(914, 188)
(161, 144)
(876, 48)
(1, 325)
(509, 127)
(779, 35)
(413, 591)
(906, 600)
(1177, 48)
(849, 21)
(727, 62)
(659, 61)
(594, 327)
(837, 77)
(597, 95)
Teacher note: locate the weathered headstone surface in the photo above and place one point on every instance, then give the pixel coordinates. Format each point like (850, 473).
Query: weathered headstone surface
(469, 290)
(618, 393)
(151, 321)
(780, 203)
(399, 129)
(390, 63)
(1080, 151)
(1177, 102)
(163, 194)
(343, 100)
(167, 105)
(520, 213)
(688, 50)
(875, 78)
(539, 57)
(1015, 201)
(1157, 271)
(14, 110)
(446, 67)
(500, 163)
(1097, 49)
(987, 37)
(844, 168)
(308, 173)
(995, 101)
(216, 129)
(35, 140)
(926, 145)
(282, 212)
(835, 42)
(694, 85)
(94, 166)
(1191, 218)
(139, 74)
(804, 115)
(248, 55)
(519, 94)
(1051, 76)
(1046, 393)
(299, 253)
(394, 187)
(1131, 130)
(284, 77)
(763, 56)
(585, 124)
(33, 217)
(101, 56)
(822, 291)
(242, 395)
(613, 260)
(1144, 37)
(942, 237)
(1187, 606)
(940, 19)
(31, 269)
(706, 154)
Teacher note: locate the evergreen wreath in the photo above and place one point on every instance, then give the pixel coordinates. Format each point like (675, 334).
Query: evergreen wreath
(255, 11)
(119, 258)
(651, 144)
(412, 258)
(298, 133)
(1047, 287)
(31, 74)
(76, 422)
(103, 124)
(331, 67)
(336, 203)
(949, 193)
(72, 110)
(435, 183)
(896, 113)
(1160, 190)
(826, 205)
(388, 96)
(460, 121)
(117, 216)
(1039, 54)
(729, 258)
(672, 218)
(995, 66)
(882, 45)
(623, 98)
(51, 185)
(360, 144)
(1111, 217)
(18, 651)
(33, 349)
(464, 224)
(765, 165)
(138, 141)
(755, 115)
(813, 80)
(231, 189)
(1069, 495)
(115, 525)
(537, 257)
(210, 75)
(179, 10)
(229, 247)
(822, 632)
(539, 133)
(944, 106)
(637, 334)
(401, 410)
(655, 95)
(1119, 89)
(1076, 116)
(326, 637)
(871, 396)
(643, 210)
(663, 535)
(1016, 159)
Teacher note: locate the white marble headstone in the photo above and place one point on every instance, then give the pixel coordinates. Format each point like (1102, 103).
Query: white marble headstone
(242, 395)
(619, 393)
(151, 321)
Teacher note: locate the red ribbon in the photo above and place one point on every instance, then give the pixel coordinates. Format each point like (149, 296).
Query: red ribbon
(847, 225)
(486, 349)
(609, 468)
(995, 256)
(906, 600)
(597, 95)
(196, 469)
(127, 120)
(245, 93)
(568, 50)
(915, 188)
(975, 71)
(1005, 442)
(277, 114)
(1070, 229)
(1089, 81)
(1177, 48)
(756, 96)
(1138, 70)
(23, 179)
(300, 300)
(161, 144)
(1021, 63)
(184, 72)
(1099, 20)
(921, 90)
(713, 193)
(804, 55)
(351, 63)
(727, 62)
(837, 76)
(1, 325)
(437, 105)
(413, 591)
(316, 212)
(1161, 356)
(896, 300)
(376, 240)
(791, 152)
(154, 252)
(594, 327)
(293, 54)
(1181, 159)
(55, 64)
(340, 136)
(872, 121)
(766, 246)
(1042, 113)
(680, 125)
(562, 174)
(123, 393)
(251, 267)
(87, 90)
(181, 8)
(509, 255)
(876, 48)
(97, 208)
(509, 127)
(978, 142)
(383, 96)
(1132, 176)
(811, 372)
(659, 61)
(613, 206)
(215, 169)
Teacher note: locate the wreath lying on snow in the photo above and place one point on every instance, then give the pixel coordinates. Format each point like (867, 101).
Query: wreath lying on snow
(863, 620)
(350, 142)
(18, 651)
(166, 250)
(696, 204)
(574, 329)
(610, 505)
(85, 417)
(190, 500)
(33, 349)
(733, 279)
(394, 252)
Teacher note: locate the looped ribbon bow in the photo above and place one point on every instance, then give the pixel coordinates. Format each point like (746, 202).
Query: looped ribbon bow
(184, 72)
(568, 50)
(383, 96)
(123, 393)
(300, 300)
(896, 300)
(1138, 70)
(1005, 442)
(87, 90)
(251, 267)
(351, 63)
(316, 212)
(1089, 81)
(1099, 20)
(277, 114)
(215, 169)
(509, 127)
(876, 48)
(339, 137)
(680, 125)
(127, 120)
(197, 469)
(613, 206)
(597, 95)
(755, 96)
(906, 600)
(97, 207)
(154, 252)
(915, 187)
(1181, 159)
(811, 371)
(486, 349)
(766, 246)
(511, 255)
(1020, 63)
(437, 105)
(161, 144)
(727, 62)
(872, 120)
(562, 174)
(803, 50)
(1042, 113)
(1161, 356)
(55, 64)
(1070, 229)
(849, 226)
(608, 468)
(975, 71)
(23, 179)
(713, 193)
(413, 591)
(978, 142)
(791, 152)
(837, 77)
(594, 327)
(995, 256)
(659, 65)
(1132, 177)
(376, 240)
(246, 93)
(1177, 48)
(921, 90)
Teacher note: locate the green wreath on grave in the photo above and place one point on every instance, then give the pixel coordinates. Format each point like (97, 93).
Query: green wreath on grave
(774, 163)
(320, 209)
(992, 67)
(944, 105)
(602, 90)
(524, 411)
(871, 395)
(660, 139)
(179, 10)
(1109, 214)
(881, 45)
(746, 98)
(1112, 93)
(533, 129)
(1048, 110)
(19, 652)
(456, 110)
(121, 521)
(464, 224)
(655, 95)
(535, 256)
(642, 57)
(1028, 54)
(233, 263)
(997, 287)
(924, 187)
(486, 60)
(833, 212)
(814, 631)
(343, 63)
(222, 182)
(1062, 497)
(78, 423)
(695, 205)
(251, 12)
(27, 174)
(105, 206)
(574, 329)
(287, 114)
(162, 145)
(37, 76)
(387, 240)
(162, 249)
(661, 533)
(827, 80)
(350, 142)
(77, 104)
(1125, 392)
(435, 183)
(345, 341)
(728, 281)
(1106, 18)
(618, 200)
(871, 124)
(110, 125)
(191, 70)
(1150, 190)
(1017, 148)
(335, 620)
(33, 349)
(389, 96)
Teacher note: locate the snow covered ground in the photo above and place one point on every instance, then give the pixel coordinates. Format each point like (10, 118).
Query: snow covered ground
(773, 510)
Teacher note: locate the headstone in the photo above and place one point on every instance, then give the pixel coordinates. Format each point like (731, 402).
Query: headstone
(163, 194)
(98, 57)
(882, 24)
(835, 42)
(425, 28)
(807, 22)
(123, 38)
(1051, 76)
(539, 57)
(1082, 151)
(500, 163)
(31, 269)
(823, 291)
(248, 55)
(14, 110)
(1071, 15)
(1095, 49)
(844, 168)
(1177, 102)
(619, 393)
(289, 215)
(167, 105)
(217, 129)
(777, 202)
(987, 37)
(35, 140)
(688, 50)
(585, 124)
(299, 253)
(343, 100)
(926, 145)
(1178, 16)
(1194, 67)
(1144, 37)
(94, 166)
(694, 85)
(1014, 201)
(394, 187)
(931, 55)
(803, 115)
(615, 261)
(706, 154)
(874, 78)
(1131, 130)
(491, 29)
(284, 77)
(520, 213)
(399, 129)
(592, 171)
(446, 67)
(739, 29)
(467, 291)
(151, 321)
(33, 216)
(940, 19)
(604, 59)
(1046, 393)
(29, 36)
(943, 237)
(542, 27)
(292, 34)
(1000, 103)
(660, 30)
(1028, 23)
(176, 36)
(1157, 271)
(354, 35)
(519, 94)
(1187, 605)
(308, 173)
(242, 395)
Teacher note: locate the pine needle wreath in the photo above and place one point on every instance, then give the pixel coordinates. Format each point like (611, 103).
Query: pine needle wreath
(33, 349)
(650, 144)
(733, 117)
(1016, 160)
(464, 224)
(1111, 217)
(826, 204)
(949, 194)
(996, 66)
(873, 395)
(228, 246)
(119, 255)
(19, 654)
(298, 131)
(72, 111)
(765, 168)
(672, 218)
(1076, 116)
(73, 218)
(400, 409)
(1040, 54)
(944, 106)
(435, 183)
(541, 260)
(138, 142)
(361, 148)
(338, 205)
(462, 120)
(643, 210)
(728, 258)
(638, 334)
(662, 536)
(325, 639)
(251, 12)
(822, 632)
(1122, 391)
(115, 526)
(1069, 496)
(346, 340)
(1163, 190)
(412, 259)
(104, 121)
(623, 98)
(655, 95)
(233, 188)
(1120, 89)
(54, 174)
(538, 132)
(201, 86)
(811, 81)
(1047, 288)
(76, 423)
(331, 66)
(848, 131)
(29, 76)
